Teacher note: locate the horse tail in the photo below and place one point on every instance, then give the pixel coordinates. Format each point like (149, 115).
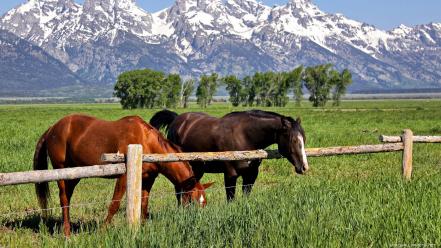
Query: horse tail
(163, 119)
(40, 163)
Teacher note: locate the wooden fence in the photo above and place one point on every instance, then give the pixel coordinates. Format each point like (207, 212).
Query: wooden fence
(132, 164)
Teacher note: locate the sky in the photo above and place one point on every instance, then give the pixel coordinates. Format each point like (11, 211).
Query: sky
(385, 14)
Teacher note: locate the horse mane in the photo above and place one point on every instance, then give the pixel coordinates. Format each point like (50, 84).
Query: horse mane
(257, 113)
(163, 142)
(166, 143)
(260, 114)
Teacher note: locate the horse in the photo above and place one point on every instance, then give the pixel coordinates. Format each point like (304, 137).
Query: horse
(236, 131)
(80, 140)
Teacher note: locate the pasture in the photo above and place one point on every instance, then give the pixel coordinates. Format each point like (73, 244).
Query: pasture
(349, 201)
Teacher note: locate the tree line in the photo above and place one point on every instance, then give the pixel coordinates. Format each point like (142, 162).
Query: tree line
(150, 89)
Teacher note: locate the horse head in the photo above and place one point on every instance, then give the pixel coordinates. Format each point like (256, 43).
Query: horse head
(291, 140)
(195, 193)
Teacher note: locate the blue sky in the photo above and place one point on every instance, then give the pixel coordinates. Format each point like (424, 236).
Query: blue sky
(384, 14)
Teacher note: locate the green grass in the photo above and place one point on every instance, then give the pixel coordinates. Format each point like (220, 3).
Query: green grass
(350, 201)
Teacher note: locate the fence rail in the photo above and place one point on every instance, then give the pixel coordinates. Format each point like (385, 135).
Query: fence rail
(254, 155)
(41, 176)
(416, 139)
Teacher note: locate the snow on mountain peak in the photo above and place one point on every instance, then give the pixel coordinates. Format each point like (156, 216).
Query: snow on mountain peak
(36, 20)
(250, 11)
(50, 1)
(299, 3)
(185, 5)
(108, 5)
(108, 17)
(303, 5)
(401, 30)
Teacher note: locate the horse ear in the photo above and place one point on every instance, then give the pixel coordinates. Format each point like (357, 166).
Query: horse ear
(207, 185)
(286, 124)
(299, 120)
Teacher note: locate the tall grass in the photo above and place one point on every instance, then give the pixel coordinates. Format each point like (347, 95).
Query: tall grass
(350, 201)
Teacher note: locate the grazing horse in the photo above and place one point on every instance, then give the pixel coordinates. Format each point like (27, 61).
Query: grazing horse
(237, 131)
(79, 140)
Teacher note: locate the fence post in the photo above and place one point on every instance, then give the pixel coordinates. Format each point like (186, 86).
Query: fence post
(407, 153)
(134, 182)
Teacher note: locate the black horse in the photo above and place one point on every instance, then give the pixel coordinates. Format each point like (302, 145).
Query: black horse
(236, 131)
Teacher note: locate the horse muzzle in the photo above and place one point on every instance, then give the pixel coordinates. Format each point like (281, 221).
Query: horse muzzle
(303, 169)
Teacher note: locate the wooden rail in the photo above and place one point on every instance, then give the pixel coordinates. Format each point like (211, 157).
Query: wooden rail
(416, 139)
(253, 155)
(61, 174)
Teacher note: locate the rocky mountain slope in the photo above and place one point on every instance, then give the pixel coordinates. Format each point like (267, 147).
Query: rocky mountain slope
(102, 38)
(25, 68)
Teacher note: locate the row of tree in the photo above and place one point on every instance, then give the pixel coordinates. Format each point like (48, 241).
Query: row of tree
(149, 89)
(272, 89)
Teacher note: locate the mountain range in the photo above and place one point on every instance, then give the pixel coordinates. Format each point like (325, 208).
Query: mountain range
(49, 44)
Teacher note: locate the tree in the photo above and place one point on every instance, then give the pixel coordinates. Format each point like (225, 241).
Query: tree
(248, 93)
(139, 88)
(186, 91)
(213, 83)
(281, 87)
(234, 88)
(267, 84)
(266, 89)
(294, 81)
(257, 82)
(318, 82)
(124, 89)
(172, 87)
(202, 92)
(321, 79)
(345, 79)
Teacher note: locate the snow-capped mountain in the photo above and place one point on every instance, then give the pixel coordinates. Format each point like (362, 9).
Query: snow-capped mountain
(102, 38)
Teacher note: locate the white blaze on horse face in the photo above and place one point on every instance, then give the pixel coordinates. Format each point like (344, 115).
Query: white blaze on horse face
(201, 200)
(302, 146)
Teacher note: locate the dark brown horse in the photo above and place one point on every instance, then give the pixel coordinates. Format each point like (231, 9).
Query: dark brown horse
(237, 131)
(79, 140)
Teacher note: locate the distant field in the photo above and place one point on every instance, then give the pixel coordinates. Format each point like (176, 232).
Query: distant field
(435, 94)
(349, 201)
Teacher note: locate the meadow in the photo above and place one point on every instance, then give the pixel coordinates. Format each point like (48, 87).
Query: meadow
(344, 201)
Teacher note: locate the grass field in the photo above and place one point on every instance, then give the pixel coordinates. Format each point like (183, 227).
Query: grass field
(347, 201)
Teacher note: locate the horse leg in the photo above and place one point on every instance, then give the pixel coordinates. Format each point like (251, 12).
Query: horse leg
(230, 186)
(178, 194)
(249, 176)
(230, 179)
(120, 190)
(146, 187)
(66, 188)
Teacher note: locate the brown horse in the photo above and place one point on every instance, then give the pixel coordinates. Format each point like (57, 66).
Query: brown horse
(237, 131)
(79, 140)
